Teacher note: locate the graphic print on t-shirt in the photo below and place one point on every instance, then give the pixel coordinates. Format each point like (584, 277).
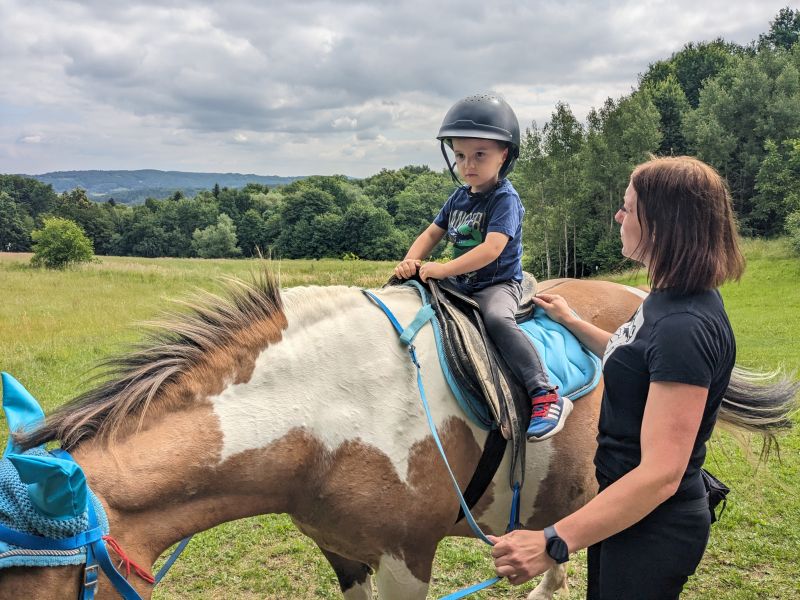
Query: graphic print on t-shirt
(464, 231)
(625, 334)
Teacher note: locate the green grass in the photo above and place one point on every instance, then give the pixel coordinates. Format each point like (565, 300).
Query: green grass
(55, 326)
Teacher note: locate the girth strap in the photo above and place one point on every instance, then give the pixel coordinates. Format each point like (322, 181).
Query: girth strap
(493, 451)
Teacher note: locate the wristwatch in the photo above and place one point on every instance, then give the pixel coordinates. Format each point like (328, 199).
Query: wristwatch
(556, 547)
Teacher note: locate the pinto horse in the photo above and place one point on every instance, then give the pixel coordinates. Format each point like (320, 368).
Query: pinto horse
(304, 402)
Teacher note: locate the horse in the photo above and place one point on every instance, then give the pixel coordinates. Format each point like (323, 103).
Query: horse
(304, 402)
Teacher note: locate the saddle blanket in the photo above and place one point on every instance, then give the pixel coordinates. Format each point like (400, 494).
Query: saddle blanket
(571, 366)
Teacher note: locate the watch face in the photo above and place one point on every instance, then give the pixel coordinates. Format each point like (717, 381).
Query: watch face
(557, 549)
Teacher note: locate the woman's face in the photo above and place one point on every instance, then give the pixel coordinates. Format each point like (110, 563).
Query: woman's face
(630, 231)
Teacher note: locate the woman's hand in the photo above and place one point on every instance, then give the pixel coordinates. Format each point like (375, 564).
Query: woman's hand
(407, 268)
(433, 270)
(520, 555)
(555, 306)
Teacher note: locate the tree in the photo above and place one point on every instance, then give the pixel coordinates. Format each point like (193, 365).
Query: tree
(784, 31)
(370, 233)
(778, 187)
(384, 187)
(15, 226)
(341, 191)
(95, 220)
(562, 141)
(297, 217)
(141, 234)
(420, 202)
(755, 99)
(328, 237)
(60, 243)
(670, 100)
(216, 241)
(252, 233)
(692, 66)
(31, 195)
(234, 202)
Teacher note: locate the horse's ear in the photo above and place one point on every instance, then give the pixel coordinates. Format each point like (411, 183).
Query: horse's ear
(22, 410)
(56, 487)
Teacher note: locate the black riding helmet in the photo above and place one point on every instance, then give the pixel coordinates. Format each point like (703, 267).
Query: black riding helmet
(482, 116)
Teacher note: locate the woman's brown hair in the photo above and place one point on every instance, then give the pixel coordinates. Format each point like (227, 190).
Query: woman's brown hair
(688, 226)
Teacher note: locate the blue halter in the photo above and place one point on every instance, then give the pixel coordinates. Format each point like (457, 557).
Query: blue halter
(22, 411)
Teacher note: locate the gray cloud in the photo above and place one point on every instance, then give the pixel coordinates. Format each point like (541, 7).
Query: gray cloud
(312, 86)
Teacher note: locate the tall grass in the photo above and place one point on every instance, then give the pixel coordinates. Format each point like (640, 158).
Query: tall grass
(54, 326)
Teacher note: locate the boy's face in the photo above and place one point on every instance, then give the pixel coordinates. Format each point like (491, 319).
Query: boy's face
(479, 161)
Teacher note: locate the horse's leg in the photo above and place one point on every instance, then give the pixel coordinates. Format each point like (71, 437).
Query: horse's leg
(354, 577)
(554, 579)
(396, 581)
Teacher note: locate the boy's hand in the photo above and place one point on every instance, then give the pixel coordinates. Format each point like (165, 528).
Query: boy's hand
(433, 270)
(407, 268)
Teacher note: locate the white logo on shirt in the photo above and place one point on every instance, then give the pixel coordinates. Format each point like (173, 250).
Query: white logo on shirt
(625, 334)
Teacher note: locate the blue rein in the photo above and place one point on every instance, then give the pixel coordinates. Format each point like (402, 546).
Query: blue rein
(407, 336)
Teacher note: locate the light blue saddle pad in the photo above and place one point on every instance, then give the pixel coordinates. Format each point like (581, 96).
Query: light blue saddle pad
(571, 366)
(18, 513)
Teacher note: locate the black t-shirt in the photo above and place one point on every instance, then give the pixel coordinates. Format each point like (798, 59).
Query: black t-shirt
(670, 338)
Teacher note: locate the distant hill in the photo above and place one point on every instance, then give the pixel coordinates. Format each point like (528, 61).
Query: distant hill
(133, 187)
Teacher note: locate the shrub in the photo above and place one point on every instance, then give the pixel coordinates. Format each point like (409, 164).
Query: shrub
(216, 241)
(60, 243)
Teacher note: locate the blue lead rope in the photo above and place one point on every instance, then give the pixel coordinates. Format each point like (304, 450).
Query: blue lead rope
(407, 336)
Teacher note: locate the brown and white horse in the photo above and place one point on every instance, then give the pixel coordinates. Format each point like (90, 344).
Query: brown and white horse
(305, 403)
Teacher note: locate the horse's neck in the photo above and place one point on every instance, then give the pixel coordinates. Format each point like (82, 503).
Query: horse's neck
(338, 377)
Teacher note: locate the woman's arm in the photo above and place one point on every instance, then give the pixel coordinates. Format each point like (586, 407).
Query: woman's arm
(669, 428)
(591, 336)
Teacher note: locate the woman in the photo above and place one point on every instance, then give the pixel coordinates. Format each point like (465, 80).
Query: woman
(665, 373)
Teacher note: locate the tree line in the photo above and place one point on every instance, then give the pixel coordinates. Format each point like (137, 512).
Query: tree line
(321, 216)
(735, 107)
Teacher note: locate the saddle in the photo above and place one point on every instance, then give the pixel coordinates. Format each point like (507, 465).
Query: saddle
(483, 384)
(480, 369)
(481, 381)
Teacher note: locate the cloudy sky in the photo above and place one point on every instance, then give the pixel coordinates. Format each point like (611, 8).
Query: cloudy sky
(307, 87)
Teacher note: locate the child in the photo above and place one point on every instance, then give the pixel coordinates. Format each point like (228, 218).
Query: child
(483, 220)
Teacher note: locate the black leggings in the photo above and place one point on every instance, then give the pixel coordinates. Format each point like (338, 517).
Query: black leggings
(652, 559)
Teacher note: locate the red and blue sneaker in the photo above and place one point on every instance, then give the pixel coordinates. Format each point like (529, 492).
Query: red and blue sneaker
(550, 412)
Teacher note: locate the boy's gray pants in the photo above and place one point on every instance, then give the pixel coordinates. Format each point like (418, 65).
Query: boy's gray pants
(498, 304)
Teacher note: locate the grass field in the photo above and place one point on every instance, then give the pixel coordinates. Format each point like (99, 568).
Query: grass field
(54, 326)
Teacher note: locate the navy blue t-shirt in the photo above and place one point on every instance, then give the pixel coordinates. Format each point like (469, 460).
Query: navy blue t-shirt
(670, 338)
(468, 218)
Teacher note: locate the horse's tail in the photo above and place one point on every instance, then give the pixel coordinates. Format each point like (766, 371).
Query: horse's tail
(760, 402)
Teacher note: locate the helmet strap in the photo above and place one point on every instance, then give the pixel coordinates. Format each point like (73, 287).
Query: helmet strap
(450, 166)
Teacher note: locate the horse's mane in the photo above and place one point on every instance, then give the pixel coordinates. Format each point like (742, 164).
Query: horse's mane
(173, 345)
